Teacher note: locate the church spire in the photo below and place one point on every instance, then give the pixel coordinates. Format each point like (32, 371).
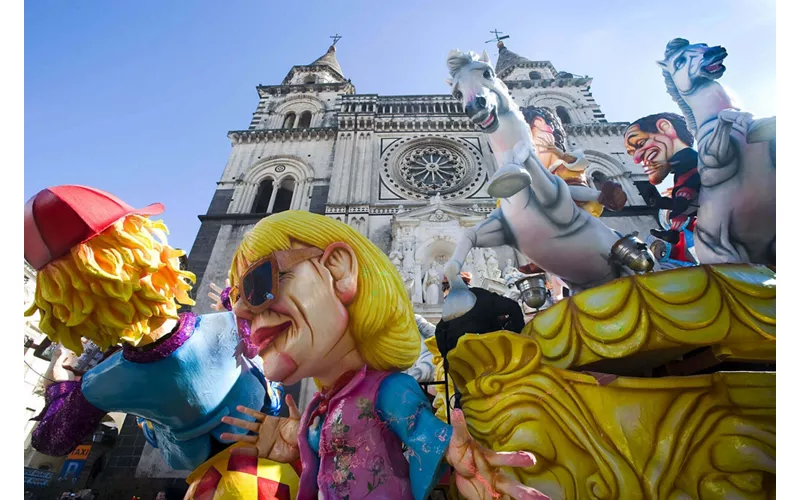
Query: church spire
(329, 58)
(507, 59)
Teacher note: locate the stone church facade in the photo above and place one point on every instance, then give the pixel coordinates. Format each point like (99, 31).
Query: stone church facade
(409, 172)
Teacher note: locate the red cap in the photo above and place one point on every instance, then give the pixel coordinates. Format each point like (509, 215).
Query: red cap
(60, 217)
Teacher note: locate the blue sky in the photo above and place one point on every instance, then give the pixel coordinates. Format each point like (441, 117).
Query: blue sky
(137, 97)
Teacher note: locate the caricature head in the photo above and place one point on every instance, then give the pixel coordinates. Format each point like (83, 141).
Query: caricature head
(106, 283)
(546, 128)
(347, 297)
(656, 138)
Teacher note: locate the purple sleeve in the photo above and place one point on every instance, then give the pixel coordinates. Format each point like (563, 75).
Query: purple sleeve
(225, 298)
(67, 419)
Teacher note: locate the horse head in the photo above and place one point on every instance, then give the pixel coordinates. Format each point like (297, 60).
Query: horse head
(484, 96)
(692, 66)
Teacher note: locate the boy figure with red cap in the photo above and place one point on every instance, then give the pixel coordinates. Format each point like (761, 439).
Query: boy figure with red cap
(106, 274)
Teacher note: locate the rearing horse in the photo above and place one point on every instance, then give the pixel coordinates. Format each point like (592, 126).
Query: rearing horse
(736, 159)
(537, 215)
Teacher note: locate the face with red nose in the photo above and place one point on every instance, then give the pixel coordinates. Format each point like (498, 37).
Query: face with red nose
(304, 330)
(654, 149)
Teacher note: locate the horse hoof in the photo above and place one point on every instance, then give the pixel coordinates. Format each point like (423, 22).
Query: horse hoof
(458, 303)
(508, 181)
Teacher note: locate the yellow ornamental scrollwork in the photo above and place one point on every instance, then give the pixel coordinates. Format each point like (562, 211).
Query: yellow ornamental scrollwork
(730, 307)
(439, 400)
(701, 437)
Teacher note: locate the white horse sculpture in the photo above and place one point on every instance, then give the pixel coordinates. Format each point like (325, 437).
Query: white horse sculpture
(537, 215)
(736, 159)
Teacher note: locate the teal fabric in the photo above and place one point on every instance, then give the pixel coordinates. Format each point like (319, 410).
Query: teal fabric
(186, 394)
(405, 408)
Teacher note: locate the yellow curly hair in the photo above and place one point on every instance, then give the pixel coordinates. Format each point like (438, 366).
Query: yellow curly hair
(118, 286)
(381, 316)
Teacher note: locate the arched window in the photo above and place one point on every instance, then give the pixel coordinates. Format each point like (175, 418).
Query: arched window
(535, 75)
(261, 204)
(305, 120)
(599, 178)
(561, 111)
(288, 122)
(283, 199)
(310, 79)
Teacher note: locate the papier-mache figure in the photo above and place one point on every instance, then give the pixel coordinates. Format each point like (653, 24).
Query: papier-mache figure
(322, 301)
(549, 138)
(107, 274)
(736, 160)
(663, 145)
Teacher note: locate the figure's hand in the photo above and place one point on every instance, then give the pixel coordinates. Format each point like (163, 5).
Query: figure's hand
(561, 155)
(733, 115)
(60, 368)
(277, 436)
(477, 468)
(217, 305)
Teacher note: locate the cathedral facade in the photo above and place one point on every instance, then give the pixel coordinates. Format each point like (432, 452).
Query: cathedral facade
(409, 172)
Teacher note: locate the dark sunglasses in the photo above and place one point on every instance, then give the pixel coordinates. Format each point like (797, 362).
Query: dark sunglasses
(258, 285)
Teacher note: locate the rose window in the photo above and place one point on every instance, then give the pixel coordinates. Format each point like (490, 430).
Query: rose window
(433, 169)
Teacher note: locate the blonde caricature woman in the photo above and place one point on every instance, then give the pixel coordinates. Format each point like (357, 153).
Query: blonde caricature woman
(322, 301)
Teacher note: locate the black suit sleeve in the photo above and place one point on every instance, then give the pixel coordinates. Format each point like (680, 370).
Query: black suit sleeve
(510, 308)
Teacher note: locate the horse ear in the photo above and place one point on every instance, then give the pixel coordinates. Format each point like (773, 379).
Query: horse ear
(662, 64)
(449, 82)
(485, 57)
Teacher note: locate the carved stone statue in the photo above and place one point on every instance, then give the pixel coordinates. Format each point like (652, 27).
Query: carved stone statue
(510, 269)
(396, 256)
(432, 285)
(480, 263)
(408, 256)
(492, 266)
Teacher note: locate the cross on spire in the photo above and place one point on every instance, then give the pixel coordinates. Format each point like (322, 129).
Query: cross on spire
(336, 38)
(497, 36)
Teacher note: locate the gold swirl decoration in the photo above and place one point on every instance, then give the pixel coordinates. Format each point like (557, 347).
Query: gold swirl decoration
(704, 437)
(438, 374)
(730, 307)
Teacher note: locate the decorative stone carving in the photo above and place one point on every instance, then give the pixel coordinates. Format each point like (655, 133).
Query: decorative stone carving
(492, 266)
(424, 238)
(439, 216)
(479, 263)
(396, 256)
(432, 285)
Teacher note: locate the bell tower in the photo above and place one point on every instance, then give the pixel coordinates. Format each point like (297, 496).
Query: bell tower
(569, 96)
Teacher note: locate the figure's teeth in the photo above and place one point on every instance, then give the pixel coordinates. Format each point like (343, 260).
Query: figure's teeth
(487, 121)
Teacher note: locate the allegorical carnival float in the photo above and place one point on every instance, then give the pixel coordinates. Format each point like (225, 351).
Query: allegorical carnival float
(654, 379)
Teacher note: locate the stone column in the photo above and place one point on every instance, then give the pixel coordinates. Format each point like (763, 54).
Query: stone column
(275, 187)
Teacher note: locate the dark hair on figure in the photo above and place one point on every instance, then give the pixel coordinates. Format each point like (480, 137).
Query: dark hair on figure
(559, 135)
(648, 124)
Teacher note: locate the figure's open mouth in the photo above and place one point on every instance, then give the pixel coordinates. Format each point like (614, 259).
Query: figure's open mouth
(265, 336)
(714, 68)
(487, 122)
(649, 158)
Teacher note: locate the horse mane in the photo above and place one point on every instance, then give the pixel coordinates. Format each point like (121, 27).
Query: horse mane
(672, 90)
(457, 59)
